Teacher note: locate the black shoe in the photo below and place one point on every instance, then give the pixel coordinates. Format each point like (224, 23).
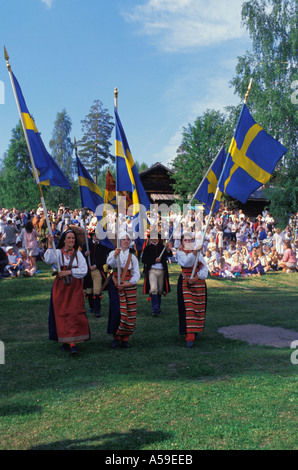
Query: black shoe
(189, 344)
(125, 344)
(65, 347)
(74, 350)
(115, 344)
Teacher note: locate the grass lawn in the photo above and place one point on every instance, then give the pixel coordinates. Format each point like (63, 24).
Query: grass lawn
(221, 395)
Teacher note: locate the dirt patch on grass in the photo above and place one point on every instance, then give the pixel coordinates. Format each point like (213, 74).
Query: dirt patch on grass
(260, 335)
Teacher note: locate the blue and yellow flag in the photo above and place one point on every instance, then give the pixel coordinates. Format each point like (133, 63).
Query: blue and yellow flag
(48, 171)
(252, 157)
(128, 179)
(207, 189)
(91, 196)
(92, 199)
(110, 191)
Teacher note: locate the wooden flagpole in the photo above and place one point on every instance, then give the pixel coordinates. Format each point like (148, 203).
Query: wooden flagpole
(83, 212)
(215, 195)
(35, 173)
(117, 198)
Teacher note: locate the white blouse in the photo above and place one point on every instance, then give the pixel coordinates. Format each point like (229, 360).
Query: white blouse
(79, 269)
(187, 260)
(133, 265)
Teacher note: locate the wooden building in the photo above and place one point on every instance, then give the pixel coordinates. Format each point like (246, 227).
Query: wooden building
(158, 184)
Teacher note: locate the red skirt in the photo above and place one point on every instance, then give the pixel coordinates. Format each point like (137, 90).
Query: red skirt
(72, 325)
(128, 308)
(194, 297)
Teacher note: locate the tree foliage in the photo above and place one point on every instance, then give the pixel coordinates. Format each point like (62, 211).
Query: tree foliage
(200, 145)
(61, 145)
(17, 184)
(272, 63)
(94, 147)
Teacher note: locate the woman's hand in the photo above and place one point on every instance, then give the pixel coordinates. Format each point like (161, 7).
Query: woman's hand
(64, 273)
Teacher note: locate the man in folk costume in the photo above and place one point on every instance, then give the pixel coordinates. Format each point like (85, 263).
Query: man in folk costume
(156, 280)
(68, 323)
(191, 291)
(123, 295)
(96, 276)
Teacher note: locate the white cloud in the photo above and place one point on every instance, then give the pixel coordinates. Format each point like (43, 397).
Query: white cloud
(48, 3)
(179, 25)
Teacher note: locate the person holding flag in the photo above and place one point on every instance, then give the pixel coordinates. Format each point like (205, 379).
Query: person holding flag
(68, 323)
(95, 250)
(191, 289)
(123, 293)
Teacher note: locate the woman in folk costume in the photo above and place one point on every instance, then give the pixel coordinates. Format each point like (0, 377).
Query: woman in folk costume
(156, 280)
(123, 296)
(68, 323)
(191, 291)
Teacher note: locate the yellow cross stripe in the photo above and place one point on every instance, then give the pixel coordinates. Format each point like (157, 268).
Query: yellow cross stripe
(241, 160)
(211, 177)
(128, 159)
(212, 181)
(89, 184)
(29, 123)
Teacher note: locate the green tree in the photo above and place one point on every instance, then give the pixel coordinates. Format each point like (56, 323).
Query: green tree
(62, 152)
(61, 145)
(94, 147)
(200, 145)
(17, 184)
(272, 26)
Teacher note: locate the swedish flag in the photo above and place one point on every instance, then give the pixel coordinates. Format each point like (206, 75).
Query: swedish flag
(48, 171)
(128, 179)
(92, 199)
(252, 157)
(207, 189)
(91, 196)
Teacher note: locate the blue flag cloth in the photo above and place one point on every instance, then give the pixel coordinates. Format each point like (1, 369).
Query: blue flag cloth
(207, 189)
(92, 199)
(48, 171)
(252, 157)
(128, 179)
(91, 196)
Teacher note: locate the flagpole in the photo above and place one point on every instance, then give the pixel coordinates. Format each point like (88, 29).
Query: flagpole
(83, 210)
(190, 202)
(218, 184)
(6, 56)
(117, 197)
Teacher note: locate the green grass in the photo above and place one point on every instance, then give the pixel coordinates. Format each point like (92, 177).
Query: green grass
(158, 395)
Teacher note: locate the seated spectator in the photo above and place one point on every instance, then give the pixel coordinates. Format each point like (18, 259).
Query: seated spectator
(224, 269)
(255, 267)
(29, 269)
(236, 266)
(14, 266)
(263, 258)
(272, 259)
(289, 260)
(232, 248)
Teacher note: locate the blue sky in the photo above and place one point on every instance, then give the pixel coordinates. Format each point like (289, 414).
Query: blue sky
(171, 60)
